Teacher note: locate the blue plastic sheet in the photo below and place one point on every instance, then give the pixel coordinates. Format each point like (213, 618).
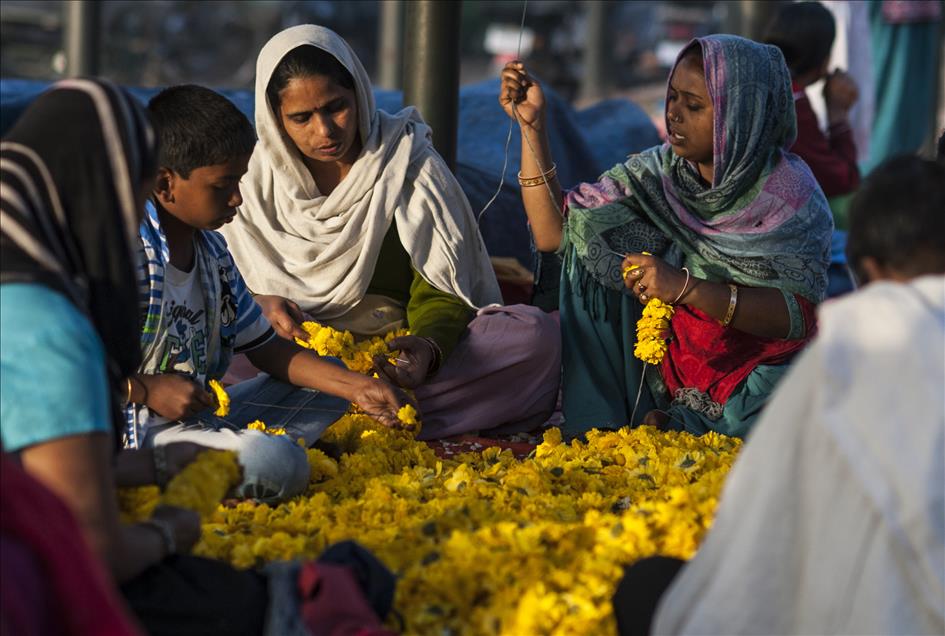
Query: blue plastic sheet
(584, 144)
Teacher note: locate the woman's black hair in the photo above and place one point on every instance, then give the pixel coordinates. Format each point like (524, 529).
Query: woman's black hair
(693, 56)
(305, 61)
(804, 31)
(896, 217)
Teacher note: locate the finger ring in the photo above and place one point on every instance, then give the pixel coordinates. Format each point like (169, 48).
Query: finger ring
(626, 272)
(641, 287)
(643, 296)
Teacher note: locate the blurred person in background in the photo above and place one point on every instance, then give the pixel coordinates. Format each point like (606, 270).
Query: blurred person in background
(804, 31)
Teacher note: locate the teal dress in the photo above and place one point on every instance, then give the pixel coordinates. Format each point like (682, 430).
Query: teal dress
(763, 222)
(52, 369)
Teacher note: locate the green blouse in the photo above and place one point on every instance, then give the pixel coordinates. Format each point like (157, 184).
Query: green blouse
(431, 313)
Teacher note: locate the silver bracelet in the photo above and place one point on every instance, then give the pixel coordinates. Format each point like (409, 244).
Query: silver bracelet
(164, 529)
(684, 287)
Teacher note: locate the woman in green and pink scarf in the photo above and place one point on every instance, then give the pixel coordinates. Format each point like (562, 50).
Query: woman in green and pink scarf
(721, 222)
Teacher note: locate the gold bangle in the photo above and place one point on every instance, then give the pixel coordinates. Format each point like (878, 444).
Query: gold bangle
(544, 177)
(732, 301)
(128, 397)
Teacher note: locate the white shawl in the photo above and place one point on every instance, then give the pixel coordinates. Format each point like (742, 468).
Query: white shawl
(289, 239)
(833, 519)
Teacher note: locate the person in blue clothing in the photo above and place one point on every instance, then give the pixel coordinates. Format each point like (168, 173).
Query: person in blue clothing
(197, 311)
(75, 170)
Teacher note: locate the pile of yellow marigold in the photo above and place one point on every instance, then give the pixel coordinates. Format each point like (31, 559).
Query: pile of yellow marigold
(485, 543)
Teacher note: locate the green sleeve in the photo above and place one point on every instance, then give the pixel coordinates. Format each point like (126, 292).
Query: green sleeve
(434, 314)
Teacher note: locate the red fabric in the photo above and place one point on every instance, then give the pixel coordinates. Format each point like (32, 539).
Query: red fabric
(333, 603)
(41, 537)
(452, 446)
(714, 359)
(832, 159)
(909, 11)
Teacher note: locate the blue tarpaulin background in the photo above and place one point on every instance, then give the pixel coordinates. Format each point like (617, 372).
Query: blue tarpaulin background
(584, 143)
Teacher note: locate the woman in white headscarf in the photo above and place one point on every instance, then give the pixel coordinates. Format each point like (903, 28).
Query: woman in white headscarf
(350, 216)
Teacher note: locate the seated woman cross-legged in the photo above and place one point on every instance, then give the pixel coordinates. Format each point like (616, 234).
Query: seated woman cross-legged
(350, 216)
(721, 221)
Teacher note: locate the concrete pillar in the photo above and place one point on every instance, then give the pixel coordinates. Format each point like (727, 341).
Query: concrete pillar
(431, 68)
(81, 35)
(390, 57)
(594, 80)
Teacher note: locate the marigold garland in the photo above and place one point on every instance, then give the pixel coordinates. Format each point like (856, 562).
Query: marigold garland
(203, 483)
(220, 398)
(484, 543)
(358, 356)
(652, 331)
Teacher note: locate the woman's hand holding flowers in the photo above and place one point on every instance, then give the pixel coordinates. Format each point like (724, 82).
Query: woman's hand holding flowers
(416, 359)
(649, 277)
(381, 401)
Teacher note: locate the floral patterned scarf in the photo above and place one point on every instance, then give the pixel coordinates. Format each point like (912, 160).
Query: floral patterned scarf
(764, 222)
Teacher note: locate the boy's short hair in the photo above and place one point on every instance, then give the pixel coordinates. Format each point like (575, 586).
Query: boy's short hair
(896, 217)
(198, 127)
(804, 31)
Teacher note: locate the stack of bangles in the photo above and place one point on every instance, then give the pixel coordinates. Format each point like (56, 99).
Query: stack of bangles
(545, 177)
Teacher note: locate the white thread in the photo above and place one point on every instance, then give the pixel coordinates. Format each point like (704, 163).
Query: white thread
(636, 403)
(508, 139)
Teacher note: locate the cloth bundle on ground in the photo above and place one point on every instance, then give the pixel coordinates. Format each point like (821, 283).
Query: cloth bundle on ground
(346, 591)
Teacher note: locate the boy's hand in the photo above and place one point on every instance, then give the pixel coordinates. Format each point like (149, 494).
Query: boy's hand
(415, 358)
(174, 396)
(381, 401)
(840, 93)
(286, 316)
(184, 524)
(180, 454)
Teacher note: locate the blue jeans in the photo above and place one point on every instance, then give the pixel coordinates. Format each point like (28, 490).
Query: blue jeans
(275, 467)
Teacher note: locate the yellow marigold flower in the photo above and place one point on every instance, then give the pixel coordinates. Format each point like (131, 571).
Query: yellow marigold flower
(220, 398)
(137, 503)
(203, 483)
(652, 330)
(408, 417)
(260, 426)
(484, 543)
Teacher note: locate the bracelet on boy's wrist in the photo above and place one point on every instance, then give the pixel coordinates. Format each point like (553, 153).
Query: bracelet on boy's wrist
(164, 529)
(161, 472)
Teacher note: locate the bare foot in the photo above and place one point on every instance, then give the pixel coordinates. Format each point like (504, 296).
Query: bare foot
(659, 419)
